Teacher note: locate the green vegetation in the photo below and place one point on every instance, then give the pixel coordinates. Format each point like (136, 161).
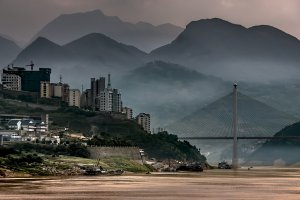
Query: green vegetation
(19, 158)
(116, 132)
(125, 164)
(73, 149)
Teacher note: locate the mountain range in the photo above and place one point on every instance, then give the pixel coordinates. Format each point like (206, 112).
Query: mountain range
(179, 77)
(8, 50)
(142, 35)
(168, 91)
(89, 55)
(231, 51)
(211, 46)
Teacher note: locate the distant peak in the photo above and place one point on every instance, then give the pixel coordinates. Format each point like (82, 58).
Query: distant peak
(95, 12)
(212, 21)
(271, 30)
(93, 37)
(43, 40)
(144, 24)
(168, 25)
(92, 12)
(96, 36)
(264, 27)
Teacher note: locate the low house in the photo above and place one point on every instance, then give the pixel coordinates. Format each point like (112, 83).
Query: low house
(28, 125)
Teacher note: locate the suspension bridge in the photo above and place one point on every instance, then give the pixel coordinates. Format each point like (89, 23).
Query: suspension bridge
(234, 117)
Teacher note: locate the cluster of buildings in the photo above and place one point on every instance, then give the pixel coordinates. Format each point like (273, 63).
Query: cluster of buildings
(20, 79)
(38, 81)
(104, 98)
(100, 97)
(26, 128)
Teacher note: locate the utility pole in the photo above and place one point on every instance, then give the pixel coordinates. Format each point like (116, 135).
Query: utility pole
(235, 161)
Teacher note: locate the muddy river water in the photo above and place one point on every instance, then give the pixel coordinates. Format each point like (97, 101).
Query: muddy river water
(257, 183)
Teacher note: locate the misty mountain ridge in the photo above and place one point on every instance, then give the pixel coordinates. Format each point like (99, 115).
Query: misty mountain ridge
(213, 46)
(8, 51)
(89, 48)
(231, 51)
(167, 90)
(215, 120)
(100, 47)
(167, 72)
(43, 52)
(91, 54)
(145, 36)
(280, 152)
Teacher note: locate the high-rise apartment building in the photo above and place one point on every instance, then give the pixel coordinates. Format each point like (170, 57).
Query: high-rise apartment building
(116, 101)
(46, 91)
(60, 90)
(74, 97)
(11, 82)
(30, 79)
(57, 90)
(105, 100)
(97, 86)
(128, 112)
(109, 99)
(143, 119)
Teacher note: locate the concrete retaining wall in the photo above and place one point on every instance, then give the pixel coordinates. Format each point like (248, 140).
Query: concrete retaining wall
(127, 152)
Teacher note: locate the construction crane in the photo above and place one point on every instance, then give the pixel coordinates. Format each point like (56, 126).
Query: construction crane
(31, 65)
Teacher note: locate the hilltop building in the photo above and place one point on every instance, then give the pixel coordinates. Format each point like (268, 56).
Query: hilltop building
(60, 90)
(14, 78)
(128, 112)
(101, 98)
(97, 86)
(86, 99)
(109, 99)
(74, 97)
(54, 90)
(11, 82)
(143, 119)
(45, 89)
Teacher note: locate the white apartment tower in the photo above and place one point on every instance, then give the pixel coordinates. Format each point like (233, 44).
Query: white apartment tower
(110, 99)
(105, 100)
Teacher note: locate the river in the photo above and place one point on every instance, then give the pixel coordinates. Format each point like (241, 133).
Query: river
(257, 183)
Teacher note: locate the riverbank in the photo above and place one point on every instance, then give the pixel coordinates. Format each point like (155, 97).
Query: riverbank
(258, 183)
(47, 165)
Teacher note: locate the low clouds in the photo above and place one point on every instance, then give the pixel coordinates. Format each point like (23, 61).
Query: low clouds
(23, 18)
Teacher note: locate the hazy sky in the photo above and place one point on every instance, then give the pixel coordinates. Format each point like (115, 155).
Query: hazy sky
(21, 19)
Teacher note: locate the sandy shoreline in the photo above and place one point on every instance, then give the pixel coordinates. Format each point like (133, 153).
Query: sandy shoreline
(258, 183)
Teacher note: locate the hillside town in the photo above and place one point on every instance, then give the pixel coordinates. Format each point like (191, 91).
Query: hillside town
(36, 84)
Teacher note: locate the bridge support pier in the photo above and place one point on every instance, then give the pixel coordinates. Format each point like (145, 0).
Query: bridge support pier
(235, 160)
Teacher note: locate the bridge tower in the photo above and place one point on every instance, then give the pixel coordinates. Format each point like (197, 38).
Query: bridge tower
(235, 160)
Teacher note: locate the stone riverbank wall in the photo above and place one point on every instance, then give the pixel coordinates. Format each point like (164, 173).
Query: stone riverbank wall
(127, 152)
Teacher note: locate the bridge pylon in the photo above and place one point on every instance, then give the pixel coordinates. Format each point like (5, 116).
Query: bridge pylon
(235, 160)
